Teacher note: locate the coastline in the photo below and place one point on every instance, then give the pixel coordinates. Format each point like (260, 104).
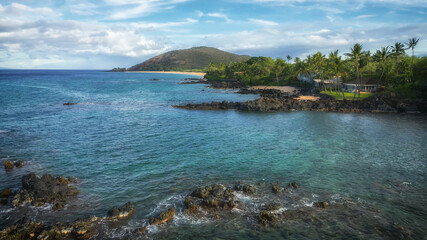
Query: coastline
(201, 74)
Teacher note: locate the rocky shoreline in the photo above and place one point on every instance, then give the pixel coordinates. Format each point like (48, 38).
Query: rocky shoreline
(273, 100)
(216, 202)
(265, 104)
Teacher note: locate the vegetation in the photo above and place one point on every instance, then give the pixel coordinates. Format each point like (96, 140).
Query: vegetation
(389, 66)
(118, 69)
(193, 59)
(339, 96)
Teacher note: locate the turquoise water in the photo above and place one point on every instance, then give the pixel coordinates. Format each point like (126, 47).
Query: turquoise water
(126, 143)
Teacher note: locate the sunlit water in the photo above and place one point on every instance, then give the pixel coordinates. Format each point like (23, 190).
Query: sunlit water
(125, 142)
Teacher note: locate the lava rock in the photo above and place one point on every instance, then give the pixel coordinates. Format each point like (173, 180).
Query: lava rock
(245, 188)
(19, 164)
(266, 218)
(8, 165)
(273, 206)
(121, 212)
(321, 204)
(165, 216)
(292, 185)
(276, 187)
(46, 189)
(6, 193)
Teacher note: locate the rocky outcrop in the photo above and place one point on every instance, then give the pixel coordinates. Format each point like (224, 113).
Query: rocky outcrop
(25, 229)
(6, 193)
(165, 216)
(276, 188)
(266, 104)
(121, 212)
(8, 165)
(46, 189)
(245, 188)
(19, 164)
(213, 197)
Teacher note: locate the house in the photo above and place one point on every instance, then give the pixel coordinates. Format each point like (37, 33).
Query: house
(332, 81)
(369, 85)
(306, 77)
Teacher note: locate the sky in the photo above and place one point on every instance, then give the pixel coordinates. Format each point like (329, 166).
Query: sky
(89, 34)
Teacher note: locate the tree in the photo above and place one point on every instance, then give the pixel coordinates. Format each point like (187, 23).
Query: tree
(289, 58)
(279, 66)
(319, 65)
(382, 56)
(397, 50)
(356, 54)
(335, 64)
(412, 42)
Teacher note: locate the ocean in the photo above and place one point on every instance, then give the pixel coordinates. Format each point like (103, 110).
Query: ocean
(125, 142)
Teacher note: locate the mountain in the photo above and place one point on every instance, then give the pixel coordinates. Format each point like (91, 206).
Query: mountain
(197, 58)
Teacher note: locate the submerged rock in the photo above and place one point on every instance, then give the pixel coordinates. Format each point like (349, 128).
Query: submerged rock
(273, 206)
(19, 164)
(69, 104)
(121, 212)
(267, 218)
(165, 216)
(245, 188)
(142, 230)
(8, 165)
(46, 189)
(6, 193)
(292, 185)
(321, 204)
(276, 188)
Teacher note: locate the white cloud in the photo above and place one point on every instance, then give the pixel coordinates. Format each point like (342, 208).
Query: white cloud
(126, 9)
(18, 11)
(219, 15)
(263, 22)
(364, 16)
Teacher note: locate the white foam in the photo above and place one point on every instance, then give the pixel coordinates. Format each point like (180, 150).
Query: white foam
(280, 210)
(7, 210)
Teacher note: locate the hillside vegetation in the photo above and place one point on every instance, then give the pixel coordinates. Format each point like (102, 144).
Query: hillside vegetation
(194, 59)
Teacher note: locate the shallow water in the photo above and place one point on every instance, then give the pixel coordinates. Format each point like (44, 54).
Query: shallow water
(126, 143)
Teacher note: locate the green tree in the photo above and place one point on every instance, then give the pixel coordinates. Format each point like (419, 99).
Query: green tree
(382, 56)
(412, 42)
(355, 55)
(397, 50)
(278, 68)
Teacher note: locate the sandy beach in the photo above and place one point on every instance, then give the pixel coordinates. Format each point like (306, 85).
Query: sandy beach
(202, 74)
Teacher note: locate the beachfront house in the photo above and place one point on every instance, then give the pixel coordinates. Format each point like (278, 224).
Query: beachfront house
(306, 77)
(332, 81)
(366, 86)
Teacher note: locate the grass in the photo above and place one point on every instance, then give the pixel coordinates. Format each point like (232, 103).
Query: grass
(348, 96)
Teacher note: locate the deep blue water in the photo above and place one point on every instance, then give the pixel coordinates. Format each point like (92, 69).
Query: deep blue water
(126, 142)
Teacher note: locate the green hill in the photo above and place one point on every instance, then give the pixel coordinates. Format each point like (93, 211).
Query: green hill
(197, 58)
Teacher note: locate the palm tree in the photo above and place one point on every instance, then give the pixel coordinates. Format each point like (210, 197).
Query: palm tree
(412, 42)
(356, 54)
(335, 64)
(319, 63)
(397, 50)
(382, 56)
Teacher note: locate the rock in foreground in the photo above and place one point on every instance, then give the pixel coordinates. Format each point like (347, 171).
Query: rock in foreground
(121, 212)
(41, 190)
(165, 216)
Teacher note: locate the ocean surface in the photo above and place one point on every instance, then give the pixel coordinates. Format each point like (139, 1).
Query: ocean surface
(125, 142)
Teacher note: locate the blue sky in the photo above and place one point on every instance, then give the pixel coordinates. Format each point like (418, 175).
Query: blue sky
(88, 34)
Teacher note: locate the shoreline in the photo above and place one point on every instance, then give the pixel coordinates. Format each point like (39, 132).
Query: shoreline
(201, 74)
